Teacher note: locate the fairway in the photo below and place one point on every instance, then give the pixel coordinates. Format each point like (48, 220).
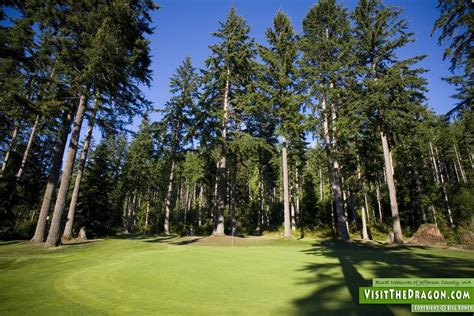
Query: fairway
(167, 275)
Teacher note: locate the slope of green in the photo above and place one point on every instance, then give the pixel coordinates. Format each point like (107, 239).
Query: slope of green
(187, 276)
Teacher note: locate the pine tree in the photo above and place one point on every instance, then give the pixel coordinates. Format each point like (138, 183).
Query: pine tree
(394, 91)
(457, 27)
(177, 120)
(227, 72)
(280, 88)
(326, 45)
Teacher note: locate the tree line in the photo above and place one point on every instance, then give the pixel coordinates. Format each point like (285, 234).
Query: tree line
(327, 130)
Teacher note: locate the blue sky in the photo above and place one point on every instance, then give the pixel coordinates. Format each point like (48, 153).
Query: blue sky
(185, 27)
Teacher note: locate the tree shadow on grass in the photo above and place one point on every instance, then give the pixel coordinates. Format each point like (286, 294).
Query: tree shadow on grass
(79, 242)
(141, 236)
(11, 242)
(174, 240)
(375, 260)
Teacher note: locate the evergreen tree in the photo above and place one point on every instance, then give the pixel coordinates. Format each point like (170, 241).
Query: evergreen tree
(393, 91)
(177, 121)
(457, 28)
(280, 87)
(326, 63)
(228, 71)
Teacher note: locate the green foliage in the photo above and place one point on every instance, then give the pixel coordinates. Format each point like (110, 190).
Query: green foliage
(99, 209)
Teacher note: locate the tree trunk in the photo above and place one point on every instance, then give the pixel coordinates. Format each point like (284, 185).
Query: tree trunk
(286, 195)
(233, 198)
(10, 148)
(461, 169)
(435, 165)
(53, 178)
(169, 192)
(334, 177)
(222, 184)
(419, 198)
(321, 193)
(125, 214)
(260, 200)
(297, 198)
(379, 202)
(397, 229)
(364, 209)
(333, 222)
(456, 171)
(54, 235)
(80, 170)
(201, 196)
(446, 200)
(147, 214)
(434, 215)
(353, 211)
(28, 148)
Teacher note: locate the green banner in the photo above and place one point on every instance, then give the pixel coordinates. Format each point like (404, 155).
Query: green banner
(428, 282)
(436, 308)
(418, 295)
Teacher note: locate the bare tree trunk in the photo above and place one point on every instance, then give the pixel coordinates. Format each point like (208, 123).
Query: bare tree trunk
(201, 196)
(10, 148)
(286, 195)
(435, 165)
(28, 148)
(434, 215)
(136, 206)
(297, 198)
(187, 202)
(333, 222)
(420, 199)
(334, 176)
(379, 202)
(222, 184)
(321, 193)
(125, 214)
(364, 207)
(353, 211)
(397, 229)
(233, 198)
(260, 199)
(193, 197)
(292, 212)
(367, 209)
(147, 214)
(169, 193)
(456, 171)
(461, 169)
(53, 178)
(54, 235)
(446, 200)
(80, 170)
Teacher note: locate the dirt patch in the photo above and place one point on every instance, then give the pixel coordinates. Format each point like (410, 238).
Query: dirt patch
(428, 235)
(467, 240)
(231, 241)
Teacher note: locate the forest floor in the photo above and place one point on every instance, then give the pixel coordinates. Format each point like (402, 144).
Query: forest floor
(144, 275)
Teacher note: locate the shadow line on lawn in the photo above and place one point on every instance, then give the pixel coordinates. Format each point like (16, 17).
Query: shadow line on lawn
(381, 261)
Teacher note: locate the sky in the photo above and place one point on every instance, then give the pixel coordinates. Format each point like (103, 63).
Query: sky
(185, 27)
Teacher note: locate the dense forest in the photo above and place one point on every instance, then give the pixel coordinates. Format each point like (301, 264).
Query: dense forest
(323, 132)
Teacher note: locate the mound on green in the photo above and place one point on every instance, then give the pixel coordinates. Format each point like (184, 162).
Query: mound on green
(202, 276)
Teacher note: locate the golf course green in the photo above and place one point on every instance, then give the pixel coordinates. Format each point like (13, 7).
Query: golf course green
(208, 276)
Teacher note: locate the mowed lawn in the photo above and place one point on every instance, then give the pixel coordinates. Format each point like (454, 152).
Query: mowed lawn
(256, 276)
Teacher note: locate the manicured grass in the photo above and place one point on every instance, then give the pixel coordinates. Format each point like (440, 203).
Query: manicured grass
(258, 276)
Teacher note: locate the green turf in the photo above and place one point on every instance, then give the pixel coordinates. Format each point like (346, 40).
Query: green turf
(143, 276)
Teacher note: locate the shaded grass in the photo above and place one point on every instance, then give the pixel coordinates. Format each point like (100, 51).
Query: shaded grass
(169, 275)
